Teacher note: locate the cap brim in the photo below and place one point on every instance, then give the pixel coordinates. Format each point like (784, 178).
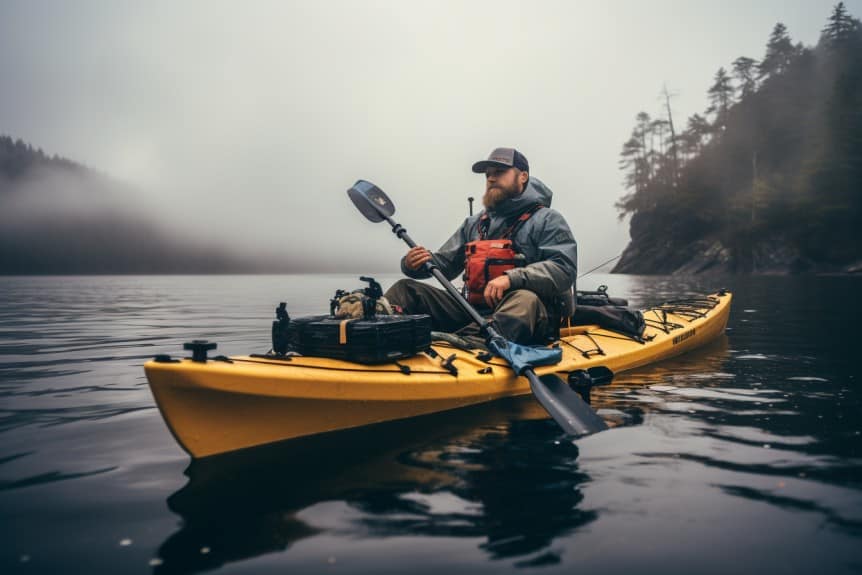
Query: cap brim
(480, 167)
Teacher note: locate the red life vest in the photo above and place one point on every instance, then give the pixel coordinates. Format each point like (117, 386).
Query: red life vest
(485, 260)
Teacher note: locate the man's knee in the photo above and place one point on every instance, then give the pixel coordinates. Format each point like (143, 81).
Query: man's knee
(522, 317)
(399, 293)
(522, 299)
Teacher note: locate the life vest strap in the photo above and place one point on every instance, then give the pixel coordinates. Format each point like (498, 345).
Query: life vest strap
(485, 222)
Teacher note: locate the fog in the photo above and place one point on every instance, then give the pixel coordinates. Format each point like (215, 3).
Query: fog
(242, 124)
(75, 221)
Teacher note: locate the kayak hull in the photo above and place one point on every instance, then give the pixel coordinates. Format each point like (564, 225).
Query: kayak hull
(216, 406)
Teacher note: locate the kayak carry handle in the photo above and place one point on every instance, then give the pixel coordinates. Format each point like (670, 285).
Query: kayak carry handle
(199, 349)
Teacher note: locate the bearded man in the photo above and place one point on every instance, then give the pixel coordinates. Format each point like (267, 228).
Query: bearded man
(519, 256)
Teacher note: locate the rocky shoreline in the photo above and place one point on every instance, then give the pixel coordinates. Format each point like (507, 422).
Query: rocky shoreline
(714, 256)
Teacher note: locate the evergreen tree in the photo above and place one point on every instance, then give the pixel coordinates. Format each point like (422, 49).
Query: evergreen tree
(841, 27)
(644, 133)
(720, 98)
(631, 160)
(673, 150)
(745, 72)
(696, 134)
(635, 160)
(779, 52)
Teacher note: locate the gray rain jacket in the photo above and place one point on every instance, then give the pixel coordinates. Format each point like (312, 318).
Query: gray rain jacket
(545, 240)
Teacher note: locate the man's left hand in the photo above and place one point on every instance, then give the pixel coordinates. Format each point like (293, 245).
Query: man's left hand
(495, 289)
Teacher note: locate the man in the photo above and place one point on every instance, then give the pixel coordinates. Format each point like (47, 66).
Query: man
(526, 300)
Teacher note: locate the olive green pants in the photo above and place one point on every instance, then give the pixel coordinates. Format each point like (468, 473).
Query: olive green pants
(520, 316)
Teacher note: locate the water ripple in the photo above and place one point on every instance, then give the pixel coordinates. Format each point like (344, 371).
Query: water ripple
(49, 477)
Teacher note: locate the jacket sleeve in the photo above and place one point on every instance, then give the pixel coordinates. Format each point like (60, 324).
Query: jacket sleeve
(449, 258)
(556, 267)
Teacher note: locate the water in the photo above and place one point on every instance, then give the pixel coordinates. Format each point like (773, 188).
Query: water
(741, 457)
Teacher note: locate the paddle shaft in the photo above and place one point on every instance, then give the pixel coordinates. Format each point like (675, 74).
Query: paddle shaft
(560, 401)
(432, 268)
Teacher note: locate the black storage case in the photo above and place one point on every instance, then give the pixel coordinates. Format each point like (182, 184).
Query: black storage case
(382, 339)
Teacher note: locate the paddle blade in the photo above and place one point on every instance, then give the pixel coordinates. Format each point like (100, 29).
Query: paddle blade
(371, 201)
(522, 357)
(564, 405)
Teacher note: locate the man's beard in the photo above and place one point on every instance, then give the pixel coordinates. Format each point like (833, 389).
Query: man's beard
(495, 196)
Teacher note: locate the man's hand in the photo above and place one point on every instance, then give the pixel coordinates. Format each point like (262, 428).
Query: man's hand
(495, 289)
(416, 257)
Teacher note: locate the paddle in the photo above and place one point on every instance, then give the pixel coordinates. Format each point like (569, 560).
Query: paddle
(567, 408)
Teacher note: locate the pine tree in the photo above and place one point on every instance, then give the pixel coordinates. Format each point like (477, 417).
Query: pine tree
(744, 70)
(631, 160)
(841, 27)
(696, 134)
(673, 151)
(636, 154)
(720, 98)
(779, 52)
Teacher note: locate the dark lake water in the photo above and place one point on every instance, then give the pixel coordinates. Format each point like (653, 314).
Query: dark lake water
(743, 457)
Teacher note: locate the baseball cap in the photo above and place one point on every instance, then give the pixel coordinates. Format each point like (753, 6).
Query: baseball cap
(506, 157)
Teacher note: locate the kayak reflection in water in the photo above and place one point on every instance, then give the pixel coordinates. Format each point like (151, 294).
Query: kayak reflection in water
(451, 475)
(518, 256)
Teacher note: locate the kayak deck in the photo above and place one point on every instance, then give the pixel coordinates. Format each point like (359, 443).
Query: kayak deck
(217, 406)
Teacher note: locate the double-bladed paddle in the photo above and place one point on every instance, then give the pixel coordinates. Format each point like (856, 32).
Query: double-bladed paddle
(567, 408)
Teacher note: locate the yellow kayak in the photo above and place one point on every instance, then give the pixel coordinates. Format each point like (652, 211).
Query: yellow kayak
(222, 404)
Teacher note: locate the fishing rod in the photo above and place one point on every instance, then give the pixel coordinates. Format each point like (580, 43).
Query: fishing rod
(600, 265)
(470, 201)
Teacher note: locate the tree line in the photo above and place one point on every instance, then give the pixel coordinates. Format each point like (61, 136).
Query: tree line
(776, 154)
(17, 157)
(39, 238)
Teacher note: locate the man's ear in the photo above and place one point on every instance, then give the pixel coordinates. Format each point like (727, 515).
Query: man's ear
(523, 177)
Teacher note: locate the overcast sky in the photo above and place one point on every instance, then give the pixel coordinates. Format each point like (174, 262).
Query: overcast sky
(247, 121)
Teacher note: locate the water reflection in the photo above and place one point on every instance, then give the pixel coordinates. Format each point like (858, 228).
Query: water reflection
(48, 477)
(500, 472)
(831, 517)
(771, 437)
(748, 453)
(636, 394)
(13, 419)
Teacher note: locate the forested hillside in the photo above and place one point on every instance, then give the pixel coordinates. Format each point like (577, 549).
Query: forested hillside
(17, 158)
(768, 179)
(59, 217)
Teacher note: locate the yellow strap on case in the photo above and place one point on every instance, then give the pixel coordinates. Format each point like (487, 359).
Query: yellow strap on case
(342, 330)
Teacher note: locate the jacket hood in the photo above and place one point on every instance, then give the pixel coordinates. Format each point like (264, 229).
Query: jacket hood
(535, 193)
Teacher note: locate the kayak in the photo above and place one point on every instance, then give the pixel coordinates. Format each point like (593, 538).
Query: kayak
(217, 405)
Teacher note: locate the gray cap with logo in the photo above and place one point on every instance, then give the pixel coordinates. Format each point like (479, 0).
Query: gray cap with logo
(503, 157)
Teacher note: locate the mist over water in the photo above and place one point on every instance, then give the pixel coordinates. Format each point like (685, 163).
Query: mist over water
(741, 456)
(62, 220)
(244, 125)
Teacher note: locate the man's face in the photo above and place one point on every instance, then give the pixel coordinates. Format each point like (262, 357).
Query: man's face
(501, 184)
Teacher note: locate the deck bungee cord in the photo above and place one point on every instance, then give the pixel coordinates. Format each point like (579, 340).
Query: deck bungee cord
(686, 308)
